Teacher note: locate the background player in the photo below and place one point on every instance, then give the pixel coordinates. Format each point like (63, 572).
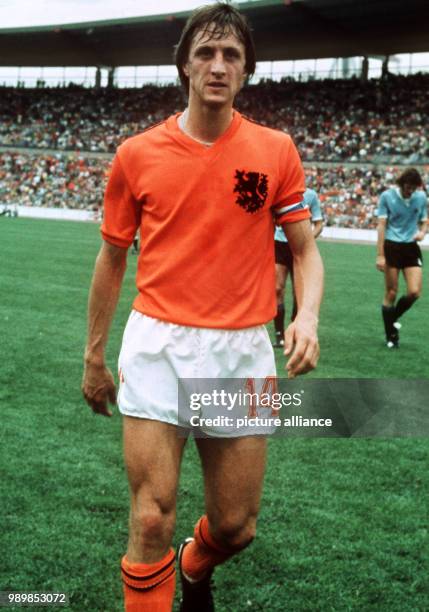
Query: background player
(284, 264)
(402, 214)
(200, 306)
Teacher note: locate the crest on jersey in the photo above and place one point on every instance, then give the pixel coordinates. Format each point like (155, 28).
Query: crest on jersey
(252, 190)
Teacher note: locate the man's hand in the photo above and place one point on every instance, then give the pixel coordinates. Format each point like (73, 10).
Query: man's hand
(380, 263)
(302, 344)
(98, 388)
(419, 236)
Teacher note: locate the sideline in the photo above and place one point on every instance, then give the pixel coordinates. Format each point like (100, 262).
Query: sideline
(329, 234)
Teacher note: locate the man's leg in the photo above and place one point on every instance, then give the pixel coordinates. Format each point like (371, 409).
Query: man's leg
(388, 308)
(233, 477)
(413, 278)
(279, 321)
(153, 453)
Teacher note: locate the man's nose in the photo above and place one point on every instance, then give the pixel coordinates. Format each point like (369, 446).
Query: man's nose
(218, 64)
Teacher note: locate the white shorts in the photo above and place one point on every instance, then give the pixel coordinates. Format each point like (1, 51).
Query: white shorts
(156, 356)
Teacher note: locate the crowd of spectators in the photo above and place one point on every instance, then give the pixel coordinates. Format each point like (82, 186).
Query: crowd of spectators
(349, 194)
(379, 121)
(335, 121)
(74, 118)
(62, 180)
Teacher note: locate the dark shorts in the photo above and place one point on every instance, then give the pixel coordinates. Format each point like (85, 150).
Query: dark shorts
(283, 254)
(403, 254)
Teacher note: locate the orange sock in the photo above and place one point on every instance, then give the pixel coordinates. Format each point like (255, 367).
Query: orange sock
(204, 552)
(149, 587)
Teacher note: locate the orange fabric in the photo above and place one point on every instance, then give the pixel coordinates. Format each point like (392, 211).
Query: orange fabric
(204, 552)
(206, 220)
(149, 587)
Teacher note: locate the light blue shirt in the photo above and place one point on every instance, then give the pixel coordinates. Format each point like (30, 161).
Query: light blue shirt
(403, 216)
(312, 201)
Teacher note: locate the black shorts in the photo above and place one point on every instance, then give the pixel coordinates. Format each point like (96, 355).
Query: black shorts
(403, 254)
(283, 254)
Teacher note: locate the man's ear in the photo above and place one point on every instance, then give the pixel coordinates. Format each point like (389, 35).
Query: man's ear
(185, 69)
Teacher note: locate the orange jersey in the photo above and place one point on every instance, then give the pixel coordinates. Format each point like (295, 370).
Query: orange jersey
(206, 220)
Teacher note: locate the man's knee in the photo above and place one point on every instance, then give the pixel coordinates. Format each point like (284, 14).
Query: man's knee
(391, 293)
(153, 524)
(235, 532)
(414, 294)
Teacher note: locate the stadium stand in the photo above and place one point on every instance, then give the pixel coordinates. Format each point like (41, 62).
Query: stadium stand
(379, 121)
(350, 133)
(333, 122)
(58, 180)
(64, 180)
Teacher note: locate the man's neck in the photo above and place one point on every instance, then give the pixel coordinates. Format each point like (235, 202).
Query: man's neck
(206, 124)
(401, 195)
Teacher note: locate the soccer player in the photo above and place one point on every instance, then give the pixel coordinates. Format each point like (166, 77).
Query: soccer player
(402, 219)
(203, 186)
(284, 264)
(135, 249)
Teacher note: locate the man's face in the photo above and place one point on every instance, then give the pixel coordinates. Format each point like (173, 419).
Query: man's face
(407, 190)
(215, 68)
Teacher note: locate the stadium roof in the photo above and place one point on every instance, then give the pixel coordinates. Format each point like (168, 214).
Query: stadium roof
(283, 30)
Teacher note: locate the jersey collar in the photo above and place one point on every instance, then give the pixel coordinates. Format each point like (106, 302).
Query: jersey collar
(190, 143)
(399, 194)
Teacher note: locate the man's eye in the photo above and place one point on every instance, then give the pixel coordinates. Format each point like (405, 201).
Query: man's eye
(203, 53)
(232, 54)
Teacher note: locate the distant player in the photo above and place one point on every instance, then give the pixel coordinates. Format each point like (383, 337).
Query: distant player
(136, 249)
(9, 211)
(402, 219)
(203, 187)
(284, 264)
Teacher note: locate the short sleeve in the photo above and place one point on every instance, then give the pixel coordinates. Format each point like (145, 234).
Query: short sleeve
(382, 211)
(315, 208)
(288, 203)
(122, 212)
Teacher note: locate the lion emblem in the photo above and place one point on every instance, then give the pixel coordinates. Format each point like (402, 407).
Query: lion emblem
(252, 189)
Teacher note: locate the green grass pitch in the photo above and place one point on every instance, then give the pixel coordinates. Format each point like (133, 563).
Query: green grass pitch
(343, 524)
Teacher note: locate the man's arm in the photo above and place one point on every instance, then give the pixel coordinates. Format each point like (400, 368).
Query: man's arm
(98, 386)
(380, 261)
(301, 340)
(422, 231)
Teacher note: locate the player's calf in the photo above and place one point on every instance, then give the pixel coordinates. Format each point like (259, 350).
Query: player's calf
(389, 317)
(198, 556)
(405, 302)
(211, 547)
(279, 326)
